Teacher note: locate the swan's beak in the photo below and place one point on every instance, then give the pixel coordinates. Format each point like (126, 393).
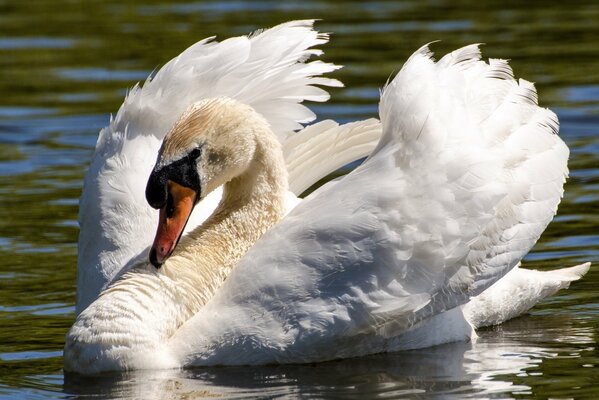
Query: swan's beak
(173, 218)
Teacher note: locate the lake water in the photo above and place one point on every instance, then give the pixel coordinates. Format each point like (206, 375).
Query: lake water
(65, 66)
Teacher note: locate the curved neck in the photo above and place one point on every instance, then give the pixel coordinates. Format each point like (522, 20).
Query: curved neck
(251, 204)
(145, 307)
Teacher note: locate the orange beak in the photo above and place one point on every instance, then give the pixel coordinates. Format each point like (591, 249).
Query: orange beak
(173, 218)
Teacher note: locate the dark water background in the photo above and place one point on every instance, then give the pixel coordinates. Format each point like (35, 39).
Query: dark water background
(65, 65)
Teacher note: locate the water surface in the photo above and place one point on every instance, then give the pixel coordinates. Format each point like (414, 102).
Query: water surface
(65, 66)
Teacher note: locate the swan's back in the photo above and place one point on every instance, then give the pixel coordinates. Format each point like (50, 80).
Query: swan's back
(466, 177)
(267, 70)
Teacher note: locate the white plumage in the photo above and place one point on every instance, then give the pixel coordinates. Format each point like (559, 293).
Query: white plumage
(268, 70)
(466, 175)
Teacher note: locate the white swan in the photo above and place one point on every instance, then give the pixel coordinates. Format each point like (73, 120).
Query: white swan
(453, 196)
(268, 70)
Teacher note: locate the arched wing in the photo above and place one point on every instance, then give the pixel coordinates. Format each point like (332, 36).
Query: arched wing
(467, 175)
(268, 70)
(320, 149)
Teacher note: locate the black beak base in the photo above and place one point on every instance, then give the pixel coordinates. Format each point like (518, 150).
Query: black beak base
(156, 189)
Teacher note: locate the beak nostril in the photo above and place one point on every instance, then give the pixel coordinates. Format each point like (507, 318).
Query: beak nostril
(170, 205)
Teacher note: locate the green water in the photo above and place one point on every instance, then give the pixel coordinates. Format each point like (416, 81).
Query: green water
(65, 66)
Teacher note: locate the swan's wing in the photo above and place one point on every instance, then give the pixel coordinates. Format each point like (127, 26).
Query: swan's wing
(468, 174)
(322, 148)
(268, 70)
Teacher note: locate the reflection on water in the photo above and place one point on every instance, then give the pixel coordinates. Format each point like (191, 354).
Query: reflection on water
(66, 65)
(484, 368)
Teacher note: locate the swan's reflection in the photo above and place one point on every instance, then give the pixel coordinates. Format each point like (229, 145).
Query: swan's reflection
(491, 365)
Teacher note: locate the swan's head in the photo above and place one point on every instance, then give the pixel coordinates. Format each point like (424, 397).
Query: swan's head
(212, 143)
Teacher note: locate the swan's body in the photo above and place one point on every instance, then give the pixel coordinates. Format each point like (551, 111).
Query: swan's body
(452, 197)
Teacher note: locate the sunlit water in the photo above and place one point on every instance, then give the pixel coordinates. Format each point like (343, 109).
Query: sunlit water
(64, 66)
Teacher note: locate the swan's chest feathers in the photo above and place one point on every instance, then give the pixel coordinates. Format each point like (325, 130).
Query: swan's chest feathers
(131, 323)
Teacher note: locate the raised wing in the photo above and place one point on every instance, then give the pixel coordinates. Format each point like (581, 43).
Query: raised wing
(267, 70)
(466, 177)
(322, 148)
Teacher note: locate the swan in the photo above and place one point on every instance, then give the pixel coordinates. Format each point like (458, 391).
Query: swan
(269, 70)
(394, 256)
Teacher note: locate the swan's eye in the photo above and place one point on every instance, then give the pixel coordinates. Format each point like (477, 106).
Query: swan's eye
(195, 153)
(170, 206)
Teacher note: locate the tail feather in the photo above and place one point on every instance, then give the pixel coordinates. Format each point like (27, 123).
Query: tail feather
(517, 292)
(570, 274)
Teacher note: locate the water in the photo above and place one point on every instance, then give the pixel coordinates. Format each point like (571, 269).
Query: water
(65, 66)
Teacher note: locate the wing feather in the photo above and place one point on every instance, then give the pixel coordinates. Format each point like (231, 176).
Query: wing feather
(269, 70)
(467, 175)
(322, 148)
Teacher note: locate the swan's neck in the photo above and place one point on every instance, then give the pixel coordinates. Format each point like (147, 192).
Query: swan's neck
(251, 204)
(145, 307)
